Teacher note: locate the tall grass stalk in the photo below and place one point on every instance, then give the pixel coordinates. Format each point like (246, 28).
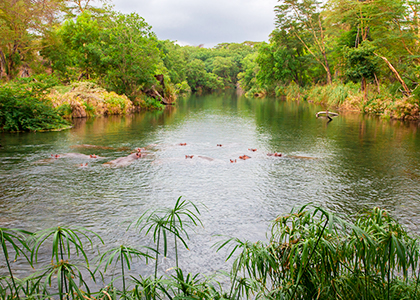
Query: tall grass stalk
(124, 254)
(169, 221)
(417, 284)
(309, 260)
(13, 236)
(63, 241)
(182, 208)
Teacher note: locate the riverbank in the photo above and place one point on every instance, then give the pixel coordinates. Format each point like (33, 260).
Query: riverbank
(40, 103)
(382, 101)
(86, 99)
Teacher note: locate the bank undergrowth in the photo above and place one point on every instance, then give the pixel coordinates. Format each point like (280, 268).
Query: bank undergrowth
(385, 101)
(87, 99)
(310, 254)
(25, 107)
(42, 103)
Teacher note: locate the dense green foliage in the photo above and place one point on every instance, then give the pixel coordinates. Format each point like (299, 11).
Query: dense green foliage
(23, 106)
(78, 42)
(313, 254)
(122, 54)
(310, 254)
(338, 42)
(118, 51)
(315, 44)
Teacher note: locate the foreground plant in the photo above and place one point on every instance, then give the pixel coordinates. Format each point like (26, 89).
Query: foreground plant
(174, 221)
(310, 254)
(124, 254)
(17, 239)
(64, 241)
(313, 254)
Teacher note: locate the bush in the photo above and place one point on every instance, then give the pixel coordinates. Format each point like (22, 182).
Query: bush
(314, 254)
(148, 103)
(23, 106)
(87, 99)
(183, 88)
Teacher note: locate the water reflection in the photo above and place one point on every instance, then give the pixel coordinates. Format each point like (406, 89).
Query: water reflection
(358, 162)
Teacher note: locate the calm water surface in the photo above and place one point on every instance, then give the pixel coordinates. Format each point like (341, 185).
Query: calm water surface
(353, 163)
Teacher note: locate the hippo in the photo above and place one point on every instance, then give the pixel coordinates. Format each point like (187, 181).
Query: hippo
(244, 157)
(126, 160)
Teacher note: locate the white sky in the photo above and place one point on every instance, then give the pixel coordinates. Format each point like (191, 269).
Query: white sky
(208, 22)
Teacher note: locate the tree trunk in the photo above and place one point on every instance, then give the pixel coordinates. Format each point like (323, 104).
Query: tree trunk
(377, 83)
(11, 63)
(397, 75)
(364, 89)
(327, 68)
(2, 64)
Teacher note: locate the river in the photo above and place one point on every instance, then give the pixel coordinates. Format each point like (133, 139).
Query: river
(348, 165)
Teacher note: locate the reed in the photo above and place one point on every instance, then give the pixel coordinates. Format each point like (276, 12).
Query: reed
(16, 238)
(64, 241)
(173, 221)
(124, 254)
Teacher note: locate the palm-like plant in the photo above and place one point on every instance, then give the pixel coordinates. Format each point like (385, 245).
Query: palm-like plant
(148, 288)
(174, 221)
(64, 241)
(66, 273)
(174, 217)
(314, 254)
(16, 238)
(124, 254)
(255, 261)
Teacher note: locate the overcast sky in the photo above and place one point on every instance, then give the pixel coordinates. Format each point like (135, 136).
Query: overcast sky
(208, 22)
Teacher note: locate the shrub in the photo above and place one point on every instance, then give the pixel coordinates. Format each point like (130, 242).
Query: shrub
(23, 106)
(87, 99)
(314, 254)
(182, 88)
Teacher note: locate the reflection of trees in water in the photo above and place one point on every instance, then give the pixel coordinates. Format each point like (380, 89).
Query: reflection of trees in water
(78, 123)
(363, 159)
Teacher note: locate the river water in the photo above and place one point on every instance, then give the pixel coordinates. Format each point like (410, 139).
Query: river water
(351, 164)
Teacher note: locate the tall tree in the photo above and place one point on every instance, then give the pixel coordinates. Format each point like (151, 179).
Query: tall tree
(303, 19)
(382, 22)
(21, 23)
(361, 64)
(283, 60)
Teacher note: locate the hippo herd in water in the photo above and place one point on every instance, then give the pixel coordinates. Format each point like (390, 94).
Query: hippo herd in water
(141, 153)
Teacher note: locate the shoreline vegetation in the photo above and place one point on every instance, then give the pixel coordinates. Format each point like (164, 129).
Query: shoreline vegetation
(92, 60)
(310, 254)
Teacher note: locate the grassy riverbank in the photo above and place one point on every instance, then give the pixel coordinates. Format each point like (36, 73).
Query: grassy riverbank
(384, 101)
(310, 254)
(25, 107)
(42, 103)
